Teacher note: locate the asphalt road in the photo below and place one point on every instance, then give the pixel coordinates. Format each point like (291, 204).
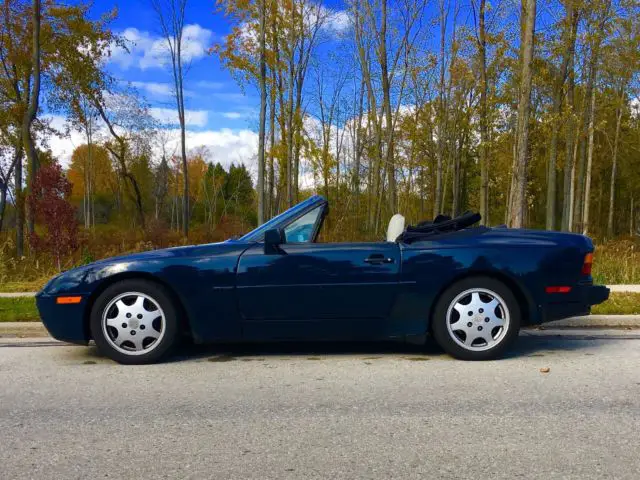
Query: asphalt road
(350, 411)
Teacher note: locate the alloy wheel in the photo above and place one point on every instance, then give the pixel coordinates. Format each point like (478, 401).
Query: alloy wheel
(477, 319)
(133, 323)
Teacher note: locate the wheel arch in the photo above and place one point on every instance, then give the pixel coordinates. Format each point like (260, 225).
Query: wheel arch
(184, 321)
(524, 299)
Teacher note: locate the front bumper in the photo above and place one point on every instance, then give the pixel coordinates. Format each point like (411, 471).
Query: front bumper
(64, 322)
(575, 304)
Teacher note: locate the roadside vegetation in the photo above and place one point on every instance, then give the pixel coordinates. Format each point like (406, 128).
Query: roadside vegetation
(21, 309)
(619, 304)
(617, 263)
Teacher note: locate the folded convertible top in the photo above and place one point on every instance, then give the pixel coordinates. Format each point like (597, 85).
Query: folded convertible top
(440, 225)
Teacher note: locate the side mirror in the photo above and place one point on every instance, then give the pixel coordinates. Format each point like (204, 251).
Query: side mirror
(273, 239)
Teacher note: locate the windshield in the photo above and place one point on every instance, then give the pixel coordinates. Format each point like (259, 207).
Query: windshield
(282, 220)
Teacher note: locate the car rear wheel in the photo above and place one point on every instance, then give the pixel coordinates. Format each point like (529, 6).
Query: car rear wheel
(476, 319)
(134, 322)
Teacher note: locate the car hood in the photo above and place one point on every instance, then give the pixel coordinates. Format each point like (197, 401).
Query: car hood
(136, 262)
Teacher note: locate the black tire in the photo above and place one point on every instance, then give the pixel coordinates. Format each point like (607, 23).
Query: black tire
(504, 339)
(161, 346)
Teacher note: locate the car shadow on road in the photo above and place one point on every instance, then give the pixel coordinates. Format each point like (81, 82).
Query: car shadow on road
(526, 346)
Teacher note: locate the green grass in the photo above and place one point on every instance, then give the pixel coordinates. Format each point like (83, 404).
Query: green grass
(619, 304)
(21, 309)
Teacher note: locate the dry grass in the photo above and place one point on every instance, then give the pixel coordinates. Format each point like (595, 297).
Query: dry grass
(617, 262)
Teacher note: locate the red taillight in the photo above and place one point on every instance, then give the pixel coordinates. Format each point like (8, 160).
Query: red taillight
(588, 262)
(557, 289)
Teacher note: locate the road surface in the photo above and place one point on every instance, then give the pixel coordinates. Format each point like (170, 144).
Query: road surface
(346, 411)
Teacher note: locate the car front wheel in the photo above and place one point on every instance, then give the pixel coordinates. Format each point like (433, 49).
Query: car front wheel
(134, 322)
(476, 319)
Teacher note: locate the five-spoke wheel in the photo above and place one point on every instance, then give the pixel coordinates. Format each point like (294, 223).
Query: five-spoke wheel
(134, 321)
(476, 319)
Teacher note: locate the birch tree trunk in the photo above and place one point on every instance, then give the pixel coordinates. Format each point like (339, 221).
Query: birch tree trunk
(614, 167)
(587, 187)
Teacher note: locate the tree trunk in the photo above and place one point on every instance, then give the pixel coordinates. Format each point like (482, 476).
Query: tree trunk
(567, 204)
(32, 109)
(484, 118)
(263, 112)
(614, 167)
(19, 196)
(272, 140)
(3, 201)
(587, 187)
(386, 106)
(569, 41)
(518, 196)
(437, 206)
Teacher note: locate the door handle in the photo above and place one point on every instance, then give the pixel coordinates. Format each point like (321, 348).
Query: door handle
(378, 259)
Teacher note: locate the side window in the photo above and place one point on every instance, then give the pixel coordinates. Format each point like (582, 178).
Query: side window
(302, 229)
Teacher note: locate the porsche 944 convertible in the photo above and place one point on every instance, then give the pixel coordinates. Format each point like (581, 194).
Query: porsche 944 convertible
(471, 288)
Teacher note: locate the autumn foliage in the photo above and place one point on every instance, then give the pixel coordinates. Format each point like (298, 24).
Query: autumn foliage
(50, 204)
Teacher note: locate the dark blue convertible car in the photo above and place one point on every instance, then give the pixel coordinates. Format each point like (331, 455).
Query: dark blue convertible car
(472, 288)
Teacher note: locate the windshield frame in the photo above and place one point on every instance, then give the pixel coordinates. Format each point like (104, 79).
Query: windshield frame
(286, 218)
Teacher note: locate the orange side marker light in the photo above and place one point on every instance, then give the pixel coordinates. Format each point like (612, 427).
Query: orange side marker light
(68, 300)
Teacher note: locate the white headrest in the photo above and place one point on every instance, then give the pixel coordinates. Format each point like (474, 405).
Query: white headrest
(396, 227)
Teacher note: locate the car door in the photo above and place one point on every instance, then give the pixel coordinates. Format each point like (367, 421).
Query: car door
(317, 290)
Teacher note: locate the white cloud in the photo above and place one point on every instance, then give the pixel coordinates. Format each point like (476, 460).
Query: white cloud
(232, 115)
(169, 116)
(224, 145)
(159, 89)
(338, 21)
(155, 88)
(151, 51)
(62, 145)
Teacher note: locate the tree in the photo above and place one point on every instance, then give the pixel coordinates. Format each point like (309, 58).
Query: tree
(127, 121)
(172, 25)
(91, 175)
(262, 80)
(49, 202)
(568, 39)
(519, 172)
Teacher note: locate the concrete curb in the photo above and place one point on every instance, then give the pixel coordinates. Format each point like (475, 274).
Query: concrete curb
(36, 329)
(18, 294)
(596, 321)
(624, 288)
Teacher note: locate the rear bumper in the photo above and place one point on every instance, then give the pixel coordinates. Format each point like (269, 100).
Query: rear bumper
(575, 304)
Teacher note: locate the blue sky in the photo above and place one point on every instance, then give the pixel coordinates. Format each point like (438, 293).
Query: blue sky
(212, 96)
(220, 116)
